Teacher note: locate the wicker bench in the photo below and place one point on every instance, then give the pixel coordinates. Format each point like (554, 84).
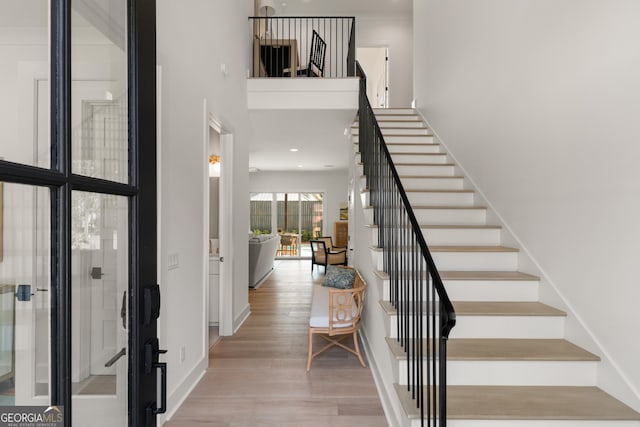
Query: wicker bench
(335, 315)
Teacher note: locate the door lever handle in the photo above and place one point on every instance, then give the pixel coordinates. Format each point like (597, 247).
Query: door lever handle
(115, 358)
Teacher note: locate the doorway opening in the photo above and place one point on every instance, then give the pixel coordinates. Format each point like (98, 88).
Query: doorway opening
(296, 217)
(375, 63)
(218, 221)
(214, 235)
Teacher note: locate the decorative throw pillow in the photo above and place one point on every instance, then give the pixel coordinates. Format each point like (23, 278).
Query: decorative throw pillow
(341, 278)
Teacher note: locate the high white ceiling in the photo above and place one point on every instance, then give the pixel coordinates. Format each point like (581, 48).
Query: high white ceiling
(318, 135)
(344, 7)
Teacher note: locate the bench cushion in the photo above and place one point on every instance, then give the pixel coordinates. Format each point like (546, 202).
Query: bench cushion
(320, 308)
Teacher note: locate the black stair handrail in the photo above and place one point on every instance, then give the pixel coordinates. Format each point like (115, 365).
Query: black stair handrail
(416, 288)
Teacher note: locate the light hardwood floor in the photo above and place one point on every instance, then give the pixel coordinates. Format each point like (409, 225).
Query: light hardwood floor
(258, 377)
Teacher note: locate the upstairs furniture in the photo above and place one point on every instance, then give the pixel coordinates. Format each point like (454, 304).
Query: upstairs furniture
(323, 253)
(335, 315)
(262, 253)
(341, 233)
(289, 244)
(317, 52)
(272, 56)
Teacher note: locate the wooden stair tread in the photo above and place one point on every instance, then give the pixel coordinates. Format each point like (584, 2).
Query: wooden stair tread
(408, 135)
(403, 153)
(448, 227)
(431, 177)
(425, 164)
(487, 275)
(493, 308)
(409, 144)
(472, 248)
(526, 403)
(547, 403)
(447, 207)
(505, 308)
(505, 349)
(440, 191)
(461, 227)
(517, 349)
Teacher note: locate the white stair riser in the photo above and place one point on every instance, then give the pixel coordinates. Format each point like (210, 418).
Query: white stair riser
(398, 131)
(413, 148)
(432, 183)
(389, 111)
(368, 216)
(476, 261)
(419, 198)
(514, 373)
(451, 216)
(400, 122)
(419, 159)
(534, 423)
(408, 139)
(462, 236)
(364, 197)
(482, 290)
(423, 170)
(501, 327)
(492, 290)
(524, 327)
(411, 116)
(373, 236)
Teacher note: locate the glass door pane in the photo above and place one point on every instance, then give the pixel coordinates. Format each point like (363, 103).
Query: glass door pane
(100, 279)
(310, 220)
(99, 116)
(288, 223)
(25, 241)
(24, 82)
(260, 213)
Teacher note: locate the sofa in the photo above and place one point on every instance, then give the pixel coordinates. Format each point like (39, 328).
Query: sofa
(262, 253)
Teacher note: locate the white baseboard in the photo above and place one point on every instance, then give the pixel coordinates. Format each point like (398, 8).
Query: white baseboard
(241, 318)
(384, 391)
(182, 391)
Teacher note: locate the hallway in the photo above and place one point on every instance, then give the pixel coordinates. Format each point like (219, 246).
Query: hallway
(258, 377)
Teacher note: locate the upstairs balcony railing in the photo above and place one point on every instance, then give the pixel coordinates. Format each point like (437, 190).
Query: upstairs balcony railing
(425, 312)
(311, 46)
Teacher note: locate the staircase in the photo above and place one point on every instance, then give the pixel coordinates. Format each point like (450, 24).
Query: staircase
(508, 361)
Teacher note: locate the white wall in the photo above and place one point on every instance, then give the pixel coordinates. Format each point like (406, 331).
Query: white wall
(194, 39)
(539, 101)
(396, 33)
(333, 184)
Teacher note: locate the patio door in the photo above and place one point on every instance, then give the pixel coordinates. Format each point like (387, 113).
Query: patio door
(296, 217)
(78, 211)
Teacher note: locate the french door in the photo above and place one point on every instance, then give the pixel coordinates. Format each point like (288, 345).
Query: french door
(78, 289)
(296, 217)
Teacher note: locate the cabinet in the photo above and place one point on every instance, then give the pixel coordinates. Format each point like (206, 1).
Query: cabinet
(214, 291)
(341, 234)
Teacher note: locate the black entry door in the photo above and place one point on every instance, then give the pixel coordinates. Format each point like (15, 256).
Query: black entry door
(78, 225)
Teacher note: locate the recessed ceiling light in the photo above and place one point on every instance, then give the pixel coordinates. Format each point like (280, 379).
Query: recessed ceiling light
(293, 150)
(299, 166)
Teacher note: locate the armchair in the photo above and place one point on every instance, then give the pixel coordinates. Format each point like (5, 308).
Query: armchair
(324, 254)
(317, 52)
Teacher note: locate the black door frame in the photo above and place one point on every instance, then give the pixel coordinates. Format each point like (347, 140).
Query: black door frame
(141, 194)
